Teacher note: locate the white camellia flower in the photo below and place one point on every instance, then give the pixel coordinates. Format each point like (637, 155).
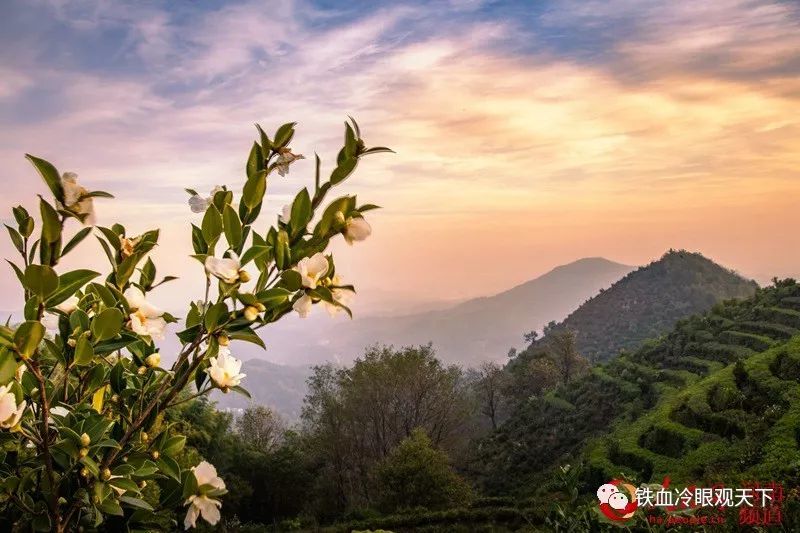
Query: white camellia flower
(224, 369)
(285, 158)
(198, 204)
(356, 229)
(303, 305)
(72, 198)
(10, 411)
(312, 269)
(146, 318)
(342, 296)
(286, 214)
(227, 268)
(201, 504)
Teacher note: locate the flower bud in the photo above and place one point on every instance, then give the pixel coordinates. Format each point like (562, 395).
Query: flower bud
(105, 474)
(85, 440)
(142, 370)
(339, 217)
(71, 342)
(155, 454)
(223, 340)
(260, 307)
(85, 472)
(251, 313)
(115, 398)
(145, 437)
(244, 277)
(142, 484)
(153, 360)
(83, 452)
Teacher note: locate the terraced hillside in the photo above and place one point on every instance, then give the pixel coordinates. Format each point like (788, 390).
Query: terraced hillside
(716, 399)
(649, 301)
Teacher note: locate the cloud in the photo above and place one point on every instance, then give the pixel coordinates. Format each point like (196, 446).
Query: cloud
(518, 131)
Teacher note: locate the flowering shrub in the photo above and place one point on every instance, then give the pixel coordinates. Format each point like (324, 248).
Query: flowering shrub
(84, 441)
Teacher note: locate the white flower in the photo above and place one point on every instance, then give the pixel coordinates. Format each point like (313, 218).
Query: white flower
(303, 305)
(72, 198)
(198, 204)
(226, 269)
(356, 229)
(342, 296)
(146, 318)
(286, 214)
(285, 158)
(224, 369)
(312, 269)
(68, 305)
(201, 504)
(20, 370)
(10, 411)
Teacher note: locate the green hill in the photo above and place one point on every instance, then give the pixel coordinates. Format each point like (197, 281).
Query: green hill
(647, 302)
(717, 399)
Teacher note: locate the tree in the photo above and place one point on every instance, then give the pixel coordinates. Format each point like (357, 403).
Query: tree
(415, 474)
(561, 349)
(260, 427)
(83, 411)
(489, 386)
(358, 415)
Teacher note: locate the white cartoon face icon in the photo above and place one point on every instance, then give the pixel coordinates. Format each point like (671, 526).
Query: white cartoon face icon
(618, 501)
(605, 491)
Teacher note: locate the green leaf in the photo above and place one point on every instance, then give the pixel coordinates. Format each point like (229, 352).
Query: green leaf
(84, 352)
(344, 169)
(16, 238)
(107, 324)
(284, 135)
(169, 467)
(50, 176)
(233, 228)
(212, 225)
(255, 161)
(291, 280)
(301, 212)
(254, 252)
(8, 366)
(17, 271)
(135, 502)
(241, 390)
(51, 225)
(41, 280)
(76, 240)
(217, 314)
(254, 190)
(247, 335)
(69, 283)
(28, 336)
(173, 445)
(111, 506)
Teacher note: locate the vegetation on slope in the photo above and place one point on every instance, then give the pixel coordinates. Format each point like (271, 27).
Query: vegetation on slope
(647, 302)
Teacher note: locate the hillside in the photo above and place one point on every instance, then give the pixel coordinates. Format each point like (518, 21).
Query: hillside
(717, 399)
(280, 387)
(469, 333)
(648, 301)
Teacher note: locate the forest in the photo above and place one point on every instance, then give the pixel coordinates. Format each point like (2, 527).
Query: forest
(400, 441)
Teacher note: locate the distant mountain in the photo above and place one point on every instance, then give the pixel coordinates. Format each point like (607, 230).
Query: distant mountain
(473, 331)
(649, 301)
(280, 387)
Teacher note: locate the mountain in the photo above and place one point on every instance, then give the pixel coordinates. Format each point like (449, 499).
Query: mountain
(469, 333)
(280, 387)
(648, 301)
(716, 399)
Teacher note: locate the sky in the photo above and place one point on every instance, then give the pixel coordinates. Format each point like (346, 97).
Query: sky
(527, 134)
